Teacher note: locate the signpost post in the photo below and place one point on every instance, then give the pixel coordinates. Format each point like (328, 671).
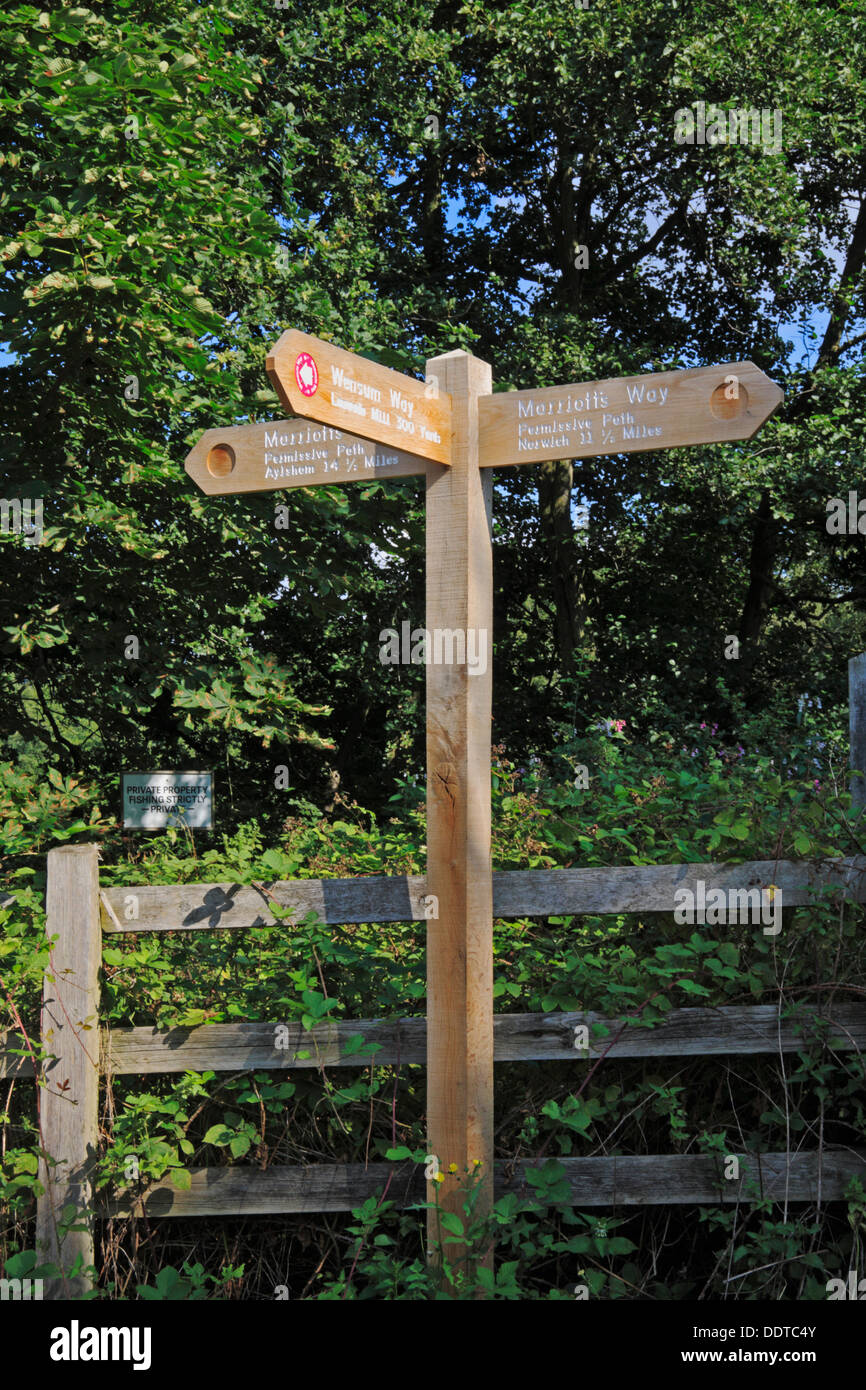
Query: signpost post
(452, 428)
(459, 568)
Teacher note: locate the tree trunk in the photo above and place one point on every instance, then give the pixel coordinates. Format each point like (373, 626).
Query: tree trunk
(432, 212)
(554, 495)
(760, 585)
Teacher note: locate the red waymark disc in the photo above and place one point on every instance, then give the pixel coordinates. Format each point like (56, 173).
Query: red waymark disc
(306, 374)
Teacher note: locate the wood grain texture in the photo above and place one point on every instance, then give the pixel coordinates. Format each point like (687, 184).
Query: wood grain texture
(652, 888)
(349, 392)
(857, 727)
(529, 893)
(658, 1180)
(744, 1030)
(732, 1030)
(204, 906)
(459, 582)
(292, 453)
(623, 415)
(68, 1102)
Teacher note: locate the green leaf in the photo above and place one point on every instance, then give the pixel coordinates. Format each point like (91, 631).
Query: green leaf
(398, 1154)
(451, 1222)
(219, 1135)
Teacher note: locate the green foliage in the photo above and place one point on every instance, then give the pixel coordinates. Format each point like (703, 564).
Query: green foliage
(188, 1283)
(181, 187)
(653, 806)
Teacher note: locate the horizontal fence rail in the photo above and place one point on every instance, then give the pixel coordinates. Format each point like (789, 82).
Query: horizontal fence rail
(516, 893)
(734, 1030)
(665, 1180)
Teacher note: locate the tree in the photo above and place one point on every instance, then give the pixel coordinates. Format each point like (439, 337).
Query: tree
(406, 179)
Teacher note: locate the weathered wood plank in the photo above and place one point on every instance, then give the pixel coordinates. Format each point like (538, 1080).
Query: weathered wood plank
(734, 1030)
(561, 892)
(747, 1030)
(255, 1046)
(530, 893)
(459, 599)
(68, 1103)
(684, 1179)
(744, 1031)
(237, 1191)
(659, 1180)
(202, 906)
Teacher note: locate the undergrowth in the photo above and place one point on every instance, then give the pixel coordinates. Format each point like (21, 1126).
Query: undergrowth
(599, 801)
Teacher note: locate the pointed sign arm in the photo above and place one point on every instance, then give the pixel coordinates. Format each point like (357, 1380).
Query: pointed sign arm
(660, 410)
(290, 453)
(322, 382)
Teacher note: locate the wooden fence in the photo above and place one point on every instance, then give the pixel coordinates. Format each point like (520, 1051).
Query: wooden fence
(79, 913)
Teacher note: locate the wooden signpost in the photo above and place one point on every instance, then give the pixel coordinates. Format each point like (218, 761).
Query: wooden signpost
(455, 428)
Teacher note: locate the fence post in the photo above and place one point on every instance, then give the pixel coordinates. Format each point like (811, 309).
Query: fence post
(857, 726)
(68, 1101)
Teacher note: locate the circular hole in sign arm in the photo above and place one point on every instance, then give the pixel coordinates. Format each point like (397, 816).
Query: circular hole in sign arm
(730, 400)
(220, 460)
